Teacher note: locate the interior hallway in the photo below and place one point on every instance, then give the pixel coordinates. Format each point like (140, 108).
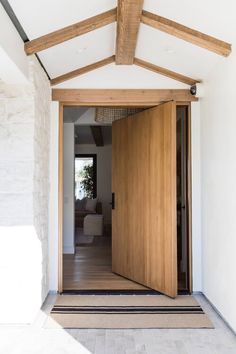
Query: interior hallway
(90, 268)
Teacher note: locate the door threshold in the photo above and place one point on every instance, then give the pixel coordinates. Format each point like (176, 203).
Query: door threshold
(117, 292)
(110, 292)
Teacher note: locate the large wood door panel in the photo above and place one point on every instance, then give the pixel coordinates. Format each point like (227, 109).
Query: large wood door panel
(144, 183)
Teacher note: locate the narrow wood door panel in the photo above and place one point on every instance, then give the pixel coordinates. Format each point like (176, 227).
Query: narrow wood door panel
(144, 182)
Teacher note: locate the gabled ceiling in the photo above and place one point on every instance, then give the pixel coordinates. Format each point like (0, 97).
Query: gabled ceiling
(212, 17)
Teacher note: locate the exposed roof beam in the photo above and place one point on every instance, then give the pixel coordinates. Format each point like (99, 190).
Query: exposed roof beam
(66, 33)
(128, 20)
(162, 71)
(97, 135)
(187, 34)
(120, 97)
(83, 70)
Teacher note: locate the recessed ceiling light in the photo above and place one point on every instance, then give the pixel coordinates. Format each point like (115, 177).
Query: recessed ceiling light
(170, 50)
(80, 50)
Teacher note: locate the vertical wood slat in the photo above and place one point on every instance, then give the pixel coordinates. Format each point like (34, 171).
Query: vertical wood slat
(144, 240)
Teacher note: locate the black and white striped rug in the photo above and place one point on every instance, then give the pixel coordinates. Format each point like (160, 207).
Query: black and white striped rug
(127, 311)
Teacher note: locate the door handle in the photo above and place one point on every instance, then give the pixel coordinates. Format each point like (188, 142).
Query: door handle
(113, 201)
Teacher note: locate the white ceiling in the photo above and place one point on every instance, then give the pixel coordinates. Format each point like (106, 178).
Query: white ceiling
(44, 16)
(122, 76)
(214, 17)
(80, 51)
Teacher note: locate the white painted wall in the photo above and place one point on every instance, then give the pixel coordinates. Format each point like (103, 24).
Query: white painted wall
(104, 159)
(218, 178)
(68, 188)
(196, 197)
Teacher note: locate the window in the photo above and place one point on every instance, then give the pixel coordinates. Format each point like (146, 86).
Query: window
(85, 176)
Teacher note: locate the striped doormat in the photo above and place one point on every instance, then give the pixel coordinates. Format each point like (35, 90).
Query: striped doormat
(127, 311)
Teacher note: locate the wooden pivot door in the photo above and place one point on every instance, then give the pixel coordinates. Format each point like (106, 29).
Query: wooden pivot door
(144, 240)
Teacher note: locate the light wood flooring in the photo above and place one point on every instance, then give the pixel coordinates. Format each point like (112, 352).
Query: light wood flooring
(90, 269)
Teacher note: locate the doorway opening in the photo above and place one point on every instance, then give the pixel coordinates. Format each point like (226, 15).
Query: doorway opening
(182, 188)
(89, 267)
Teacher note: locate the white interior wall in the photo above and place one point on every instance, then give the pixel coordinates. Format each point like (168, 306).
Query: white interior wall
(218, 178)
(68, 188)
(103, 175)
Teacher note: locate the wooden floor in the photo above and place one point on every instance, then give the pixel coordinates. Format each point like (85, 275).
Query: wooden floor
(90, 269)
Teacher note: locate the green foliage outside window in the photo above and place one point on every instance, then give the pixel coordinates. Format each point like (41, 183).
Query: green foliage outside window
(87, 184)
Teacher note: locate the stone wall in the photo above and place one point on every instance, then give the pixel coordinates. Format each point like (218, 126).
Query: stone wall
(16, 154)
(24, 194)
(42, 99)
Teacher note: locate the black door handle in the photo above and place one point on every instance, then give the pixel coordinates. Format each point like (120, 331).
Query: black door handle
(113, 201)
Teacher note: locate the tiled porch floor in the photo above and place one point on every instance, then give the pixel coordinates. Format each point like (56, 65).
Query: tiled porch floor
(36, 339)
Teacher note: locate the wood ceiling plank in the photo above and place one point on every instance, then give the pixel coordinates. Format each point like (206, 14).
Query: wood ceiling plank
(120, 97)
(128, 20)
(165, 72)
(82, 70)
(187, 34)
(69, 32)
(97, 135)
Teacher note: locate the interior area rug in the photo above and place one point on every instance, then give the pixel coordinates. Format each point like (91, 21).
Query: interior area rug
(127, 311)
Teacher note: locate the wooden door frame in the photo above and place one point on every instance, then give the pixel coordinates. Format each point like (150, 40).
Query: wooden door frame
(80, 103)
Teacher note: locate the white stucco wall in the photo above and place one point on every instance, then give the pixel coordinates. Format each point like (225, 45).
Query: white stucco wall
(218, 197)
(196, 196)
(42, 100)
(24, 175)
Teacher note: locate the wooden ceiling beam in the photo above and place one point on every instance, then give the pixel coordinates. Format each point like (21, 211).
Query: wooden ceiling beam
(97, 135)
(187, 34)
(165, 72)
(83, 70)
(128, 20)
(66, 33)
(120, 97)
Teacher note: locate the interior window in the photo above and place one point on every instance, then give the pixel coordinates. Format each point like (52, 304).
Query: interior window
(85, 176)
